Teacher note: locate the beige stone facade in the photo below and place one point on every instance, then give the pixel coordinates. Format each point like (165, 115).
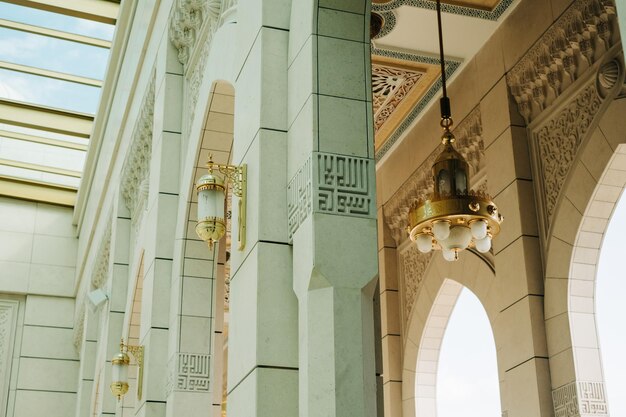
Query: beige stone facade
(328, 309)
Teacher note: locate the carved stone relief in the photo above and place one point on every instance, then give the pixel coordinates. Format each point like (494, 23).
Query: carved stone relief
(136, 171)
(189, 372)
(390, 86)
(420, 184)
(332, 184)
(187, 20)
(578, 39)
(580, 399)
(192, 26)
(558, 142)
(413, 264)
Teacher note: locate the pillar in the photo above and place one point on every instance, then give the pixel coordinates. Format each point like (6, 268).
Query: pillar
(263, 333)
(332, 205)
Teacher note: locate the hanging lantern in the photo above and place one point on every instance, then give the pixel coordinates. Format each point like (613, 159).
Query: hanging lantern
(454, 218)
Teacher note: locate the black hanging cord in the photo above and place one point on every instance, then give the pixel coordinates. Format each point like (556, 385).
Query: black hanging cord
(446, 112)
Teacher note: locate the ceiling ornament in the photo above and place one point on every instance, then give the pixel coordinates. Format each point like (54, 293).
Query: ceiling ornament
(481, 9)
(414, 100)
(390, 86)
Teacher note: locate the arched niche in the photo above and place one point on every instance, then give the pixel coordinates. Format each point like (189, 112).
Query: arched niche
(595, 183)
(434, 302)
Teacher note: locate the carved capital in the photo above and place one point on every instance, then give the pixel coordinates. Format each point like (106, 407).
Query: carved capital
(187, 20)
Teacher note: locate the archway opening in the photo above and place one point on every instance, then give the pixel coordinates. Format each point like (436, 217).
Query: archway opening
(611, 309)
(467, 375)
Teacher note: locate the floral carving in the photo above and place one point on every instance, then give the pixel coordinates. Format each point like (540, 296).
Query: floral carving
(413, 265)
(135, 174)
(581, 37)
(558, 142)
(187, 22)
(420, 183)
(389, 87)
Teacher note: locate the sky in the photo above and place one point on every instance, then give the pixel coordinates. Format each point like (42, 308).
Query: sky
(56, 55)
(469, 388)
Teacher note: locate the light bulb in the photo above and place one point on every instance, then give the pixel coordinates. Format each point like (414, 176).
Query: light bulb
(441, 230)
(460, 238)
(450, 255)
(479, 229)
(424, 242)
(483, 245)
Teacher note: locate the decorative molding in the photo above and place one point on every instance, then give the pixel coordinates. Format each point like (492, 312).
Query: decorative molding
(451, 67)
(189, 372)
(413, 264)
(420, 184)
(390, 85)
(446, 8)
(580, 399)
(187, 21)
(136, 171)
(578, 39)
(331, 184)
(8, 325)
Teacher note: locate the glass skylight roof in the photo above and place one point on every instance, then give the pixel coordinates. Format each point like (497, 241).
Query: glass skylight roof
(52, 64)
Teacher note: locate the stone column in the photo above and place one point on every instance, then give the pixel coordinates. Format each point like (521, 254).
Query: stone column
(332, 205)
(159, 225)
(517, 301)
(263, 335)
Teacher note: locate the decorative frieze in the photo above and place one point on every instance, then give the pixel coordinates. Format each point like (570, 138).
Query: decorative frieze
(332, 184)
(190, 372)
(390, 85)
(578, 39)
(413, 264)
(136, 171)
(580, 399)
(420, 184)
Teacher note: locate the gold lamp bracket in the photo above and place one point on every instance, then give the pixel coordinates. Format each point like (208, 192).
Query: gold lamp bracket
(138, 353)
(237, 177)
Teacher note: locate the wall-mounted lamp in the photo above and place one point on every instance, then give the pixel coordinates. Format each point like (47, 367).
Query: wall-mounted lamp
(211, 189)
(119, 370)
